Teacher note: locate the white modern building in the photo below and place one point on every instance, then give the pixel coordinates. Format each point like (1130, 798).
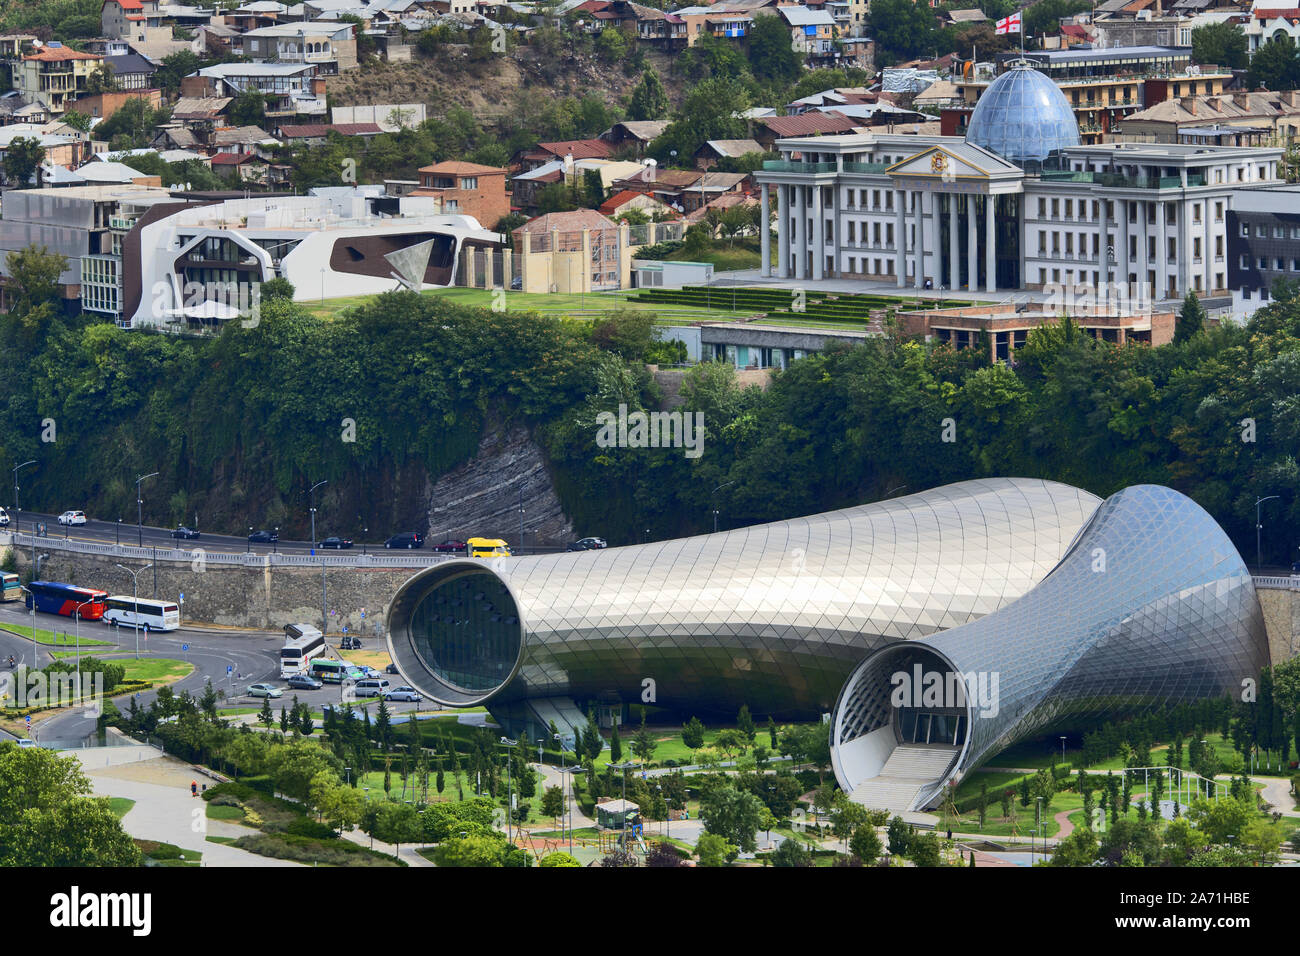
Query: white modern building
(1015, 204)
(205, 262)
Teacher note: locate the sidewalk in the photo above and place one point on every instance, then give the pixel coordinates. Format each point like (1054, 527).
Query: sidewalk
(164, 809)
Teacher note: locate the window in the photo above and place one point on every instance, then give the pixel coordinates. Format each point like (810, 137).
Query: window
(1056, 208)
(1069, 209)
(1042, 208)
(1245, 261)
(1279, 232)
(1218, 211)
(1261, 232)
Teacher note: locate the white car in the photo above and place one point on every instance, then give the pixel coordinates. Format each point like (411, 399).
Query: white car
(72, 517)
(4, 518)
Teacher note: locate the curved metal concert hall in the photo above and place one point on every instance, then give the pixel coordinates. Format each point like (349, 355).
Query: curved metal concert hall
(1151, 606)
(775, 616)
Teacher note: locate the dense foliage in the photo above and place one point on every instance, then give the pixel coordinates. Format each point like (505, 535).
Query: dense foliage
(240, 425)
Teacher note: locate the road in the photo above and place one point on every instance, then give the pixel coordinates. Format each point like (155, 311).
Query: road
(111, 532)
(97, 531)
(251, 657)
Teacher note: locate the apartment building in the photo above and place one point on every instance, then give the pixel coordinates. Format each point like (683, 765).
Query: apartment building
(54, 76)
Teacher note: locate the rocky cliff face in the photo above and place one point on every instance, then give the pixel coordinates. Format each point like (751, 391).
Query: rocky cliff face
(482, 496)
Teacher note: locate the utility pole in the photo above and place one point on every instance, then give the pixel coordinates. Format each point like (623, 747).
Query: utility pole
(1258, 527)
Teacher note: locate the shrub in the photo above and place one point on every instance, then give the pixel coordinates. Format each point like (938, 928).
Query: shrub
(306, 827)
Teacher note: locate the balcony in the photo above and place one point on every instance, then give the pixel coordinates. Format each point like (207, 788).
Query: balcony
(865, 167)
(784, 166)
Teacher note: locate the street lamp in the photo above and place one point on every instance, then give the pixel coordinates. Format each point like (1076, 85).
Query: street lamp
(324, 603)
(510, 798)
(139, 505)
(521, 519)
(1258, 526)
(715, 510)
(118, 539)
(275, 540)
(31, 597)
(18, 511)
(135, 598)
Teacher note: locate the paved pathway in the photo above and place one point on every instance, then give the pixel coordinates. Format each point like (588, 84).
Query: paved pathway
(407, 852)
(164, 809)
(1063, 821)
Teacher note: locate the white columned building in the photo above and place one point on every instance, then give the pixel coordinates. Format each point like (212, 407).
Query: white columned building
(1027, 207)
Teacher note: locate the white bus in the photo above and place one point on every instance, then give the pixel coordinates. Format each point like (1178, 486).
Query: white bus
(126, 611)
(302, 643)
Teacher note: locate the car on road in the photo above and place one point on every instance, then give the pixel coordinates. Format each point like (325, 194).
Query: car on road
(26, 743)
(1295, 567)
(451, 546)
(303, 682)
(391, 669)
(587, 544)
(4, 518)
(371, 687)
(263, 537)
(264, 690)
(405, 539)
(336, 542)
(72, 517)
(187, 534)
(347, 643)
(409, 694)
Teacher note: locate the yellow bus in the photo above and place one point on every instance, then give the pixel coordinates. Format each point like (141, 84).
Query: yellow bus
(488, 548)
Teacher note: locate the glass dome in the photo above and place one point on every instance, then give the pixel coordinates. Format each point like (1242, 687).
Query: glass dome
(1023, 117)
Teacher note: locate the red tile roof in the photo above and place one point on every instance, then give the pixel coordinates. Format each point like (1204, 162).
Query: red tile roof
(580, 148)
(126, 4)
(567, 221)
(809, 124)
(612, 204)
(453, 168)
(58, 54)
(230, 159)
(1289, 13)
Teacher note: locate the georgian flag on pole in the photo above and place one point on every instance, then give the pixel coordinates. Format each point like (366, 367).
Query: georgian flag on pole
(1009, 24)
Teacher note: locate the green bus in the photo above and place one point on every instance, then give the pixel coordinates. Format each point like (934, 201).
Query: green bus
(334, 672)
(10, 587)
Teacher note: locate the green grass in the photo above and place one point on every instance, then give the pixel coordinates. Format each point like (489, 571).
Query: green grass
(157, 670)
(53, 638)
(120, 805)
(545, 303)
(225, 813)
(224, 840)
(744, 254)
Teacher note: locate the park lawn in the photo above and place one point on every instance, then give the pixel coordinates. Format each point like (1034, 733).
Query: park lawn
(376, 659)
(120, 805)
(1025, 817)
(725, 256)
(155, 670)
(54, 638)
(216, 812)
(543, 303)
(224, 840)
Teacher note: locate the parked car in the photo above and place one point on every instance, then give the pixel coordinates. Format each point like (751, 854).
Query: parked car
(263, 537)
(451, 546)
(371, 687)
(264, 690)
(1295, 567)
(187, 534)
(336, 542)
(349, 643)
(391, 669)
(408, 694)
(405, 539)
(303, 682)
(587, 544)
(4, 518)
(72, 517)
